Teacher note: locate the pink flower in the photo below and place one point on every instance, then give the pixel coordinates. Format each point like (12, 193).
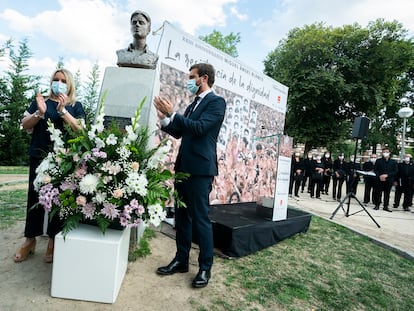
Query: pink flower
(81, 200)
(140, 210)
(46, 179)
(118, 193)
(110, 211)
(88, 210)
(135, 166)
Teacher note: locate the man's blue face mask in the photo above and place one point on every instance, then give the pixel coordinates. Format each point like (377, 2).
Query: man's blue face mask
(192, 86)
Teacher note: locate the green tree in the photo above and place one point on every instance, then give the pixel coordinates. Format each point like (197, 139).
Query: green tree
(227, 44)
(91, 93)
(17, 87)
(336, 74)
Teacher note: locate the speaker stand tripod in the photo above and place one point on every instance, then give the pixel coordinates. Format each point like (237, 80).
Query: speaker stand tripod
(348, 197)
(351, 195)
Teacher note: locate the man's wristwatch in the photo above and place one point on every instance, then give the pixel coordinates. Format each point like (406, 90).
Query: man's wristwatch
(38, 115)
(63, 112)
(169, 114)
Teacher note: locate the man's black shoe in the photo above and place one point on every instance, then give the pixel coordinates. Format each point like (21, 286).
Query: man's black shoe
(174, 267)
(201, 280)
(376, 207)
(387, 209)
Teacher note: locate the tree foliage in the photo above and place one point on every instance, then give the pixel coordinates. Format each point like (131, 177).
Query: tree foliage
(336, 74)
(227, 44)
(90, 92)
(17, 88)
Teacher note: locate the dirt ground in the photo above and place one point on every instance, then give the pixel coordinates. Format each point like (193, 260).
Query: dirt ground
(27, 285)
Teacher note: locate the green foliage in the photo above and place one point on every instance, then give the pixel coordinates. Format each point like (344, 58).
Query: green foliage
(12, 207)
(16, 88)
(143, 249)
(336, 74)
(227, 44)
(90, 93)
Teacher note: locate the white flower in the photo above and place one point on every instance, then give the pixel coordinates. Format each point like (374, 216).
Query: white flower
(99, 122)
(46, 166)
(111, 168)
(111, 139)
(157, 214)
(55, 136)
(99, 197)
(136, 183)
(123, 152)
(99, 143)
(91, 134)
(130, 137)
(159, 156)
(88, 184)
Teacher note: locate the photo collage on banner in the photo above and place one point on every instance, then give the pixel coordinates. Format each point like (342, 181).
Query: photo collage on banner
(250, 140)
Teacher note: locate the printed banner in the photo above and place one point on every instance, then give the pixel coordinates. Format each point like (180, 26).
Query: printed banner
(250, 140)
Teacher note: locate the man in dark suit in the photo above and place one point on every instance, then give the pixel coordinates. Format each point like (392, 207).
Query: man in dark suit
(198, 129)
(386, 170)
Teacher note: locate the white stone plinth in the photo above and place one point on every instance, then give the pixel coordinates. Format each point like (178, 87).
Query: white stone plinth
(88, 265)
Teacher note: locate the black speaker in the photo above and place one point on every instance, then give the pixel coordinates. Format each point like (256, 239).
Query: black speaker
(360, 129)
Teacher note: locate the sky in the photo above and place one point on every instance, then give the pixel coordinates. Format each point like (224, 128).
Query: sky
(84, 32)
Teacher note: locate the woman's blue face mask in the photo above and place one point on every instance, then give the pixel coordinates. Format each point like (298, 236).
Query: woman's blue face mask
(59, 88)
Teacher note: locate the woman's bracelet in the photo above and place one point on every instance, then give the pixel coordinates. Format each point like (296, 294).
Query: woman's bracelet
(63, 112)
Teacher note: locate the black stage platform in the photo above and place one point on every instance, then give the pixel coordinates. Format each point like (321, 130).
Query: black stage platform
(243, 228)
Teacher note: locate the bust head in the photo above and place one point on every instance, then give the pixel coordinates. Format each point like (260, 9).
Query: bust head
(140, 24)
(137, 53)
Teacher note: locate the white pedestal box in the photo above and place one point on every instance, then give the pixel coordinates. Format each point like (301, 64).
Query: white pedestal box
(89, 265)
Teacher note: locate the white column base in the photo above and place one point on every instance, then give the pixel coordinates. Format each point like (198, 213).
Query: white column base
(89, 265)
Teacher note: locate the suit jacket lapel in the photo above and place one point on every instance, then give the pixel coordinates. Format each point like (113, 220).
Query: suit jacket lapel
(204, 101)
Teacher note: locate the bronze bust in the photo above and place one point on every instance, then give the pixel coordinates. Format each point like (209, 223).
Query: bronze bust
(137, 54)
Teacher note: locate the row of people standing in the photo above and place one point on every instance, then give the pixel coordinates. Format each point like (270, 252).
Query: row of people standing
(317, 171)
(380, 176)
(383, 174)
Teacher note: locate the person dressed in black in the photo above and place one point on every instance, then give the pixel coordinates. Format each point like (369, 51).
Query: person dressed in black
(296, 174)
(339, 176)
(369, 179)
(386, 170)
(318, 169)
(404, 183)
(60, 108)
(307, 174)
(352, 175)
(328, 164)
(198, 129)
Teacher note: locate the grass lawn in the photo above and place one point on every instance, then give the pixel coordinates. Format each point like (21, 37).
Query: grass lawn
(328, 268)
(14, 170)
(12, 207)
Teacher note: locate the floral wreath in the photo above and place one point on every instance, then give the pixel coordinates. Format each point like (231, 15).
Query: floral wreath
(106, 176)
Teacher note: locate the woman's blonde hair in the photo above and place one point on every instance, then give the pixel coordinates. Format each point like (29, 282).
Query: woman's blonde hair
(70, 83)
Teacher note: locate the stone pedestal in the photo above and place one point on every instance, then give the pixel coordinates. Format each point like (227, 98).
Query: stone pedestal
(89, 265)
(125, 88)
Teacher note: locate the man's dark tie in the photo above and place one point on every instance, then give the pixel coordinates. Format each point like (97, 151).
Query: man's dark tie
(192, 106)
